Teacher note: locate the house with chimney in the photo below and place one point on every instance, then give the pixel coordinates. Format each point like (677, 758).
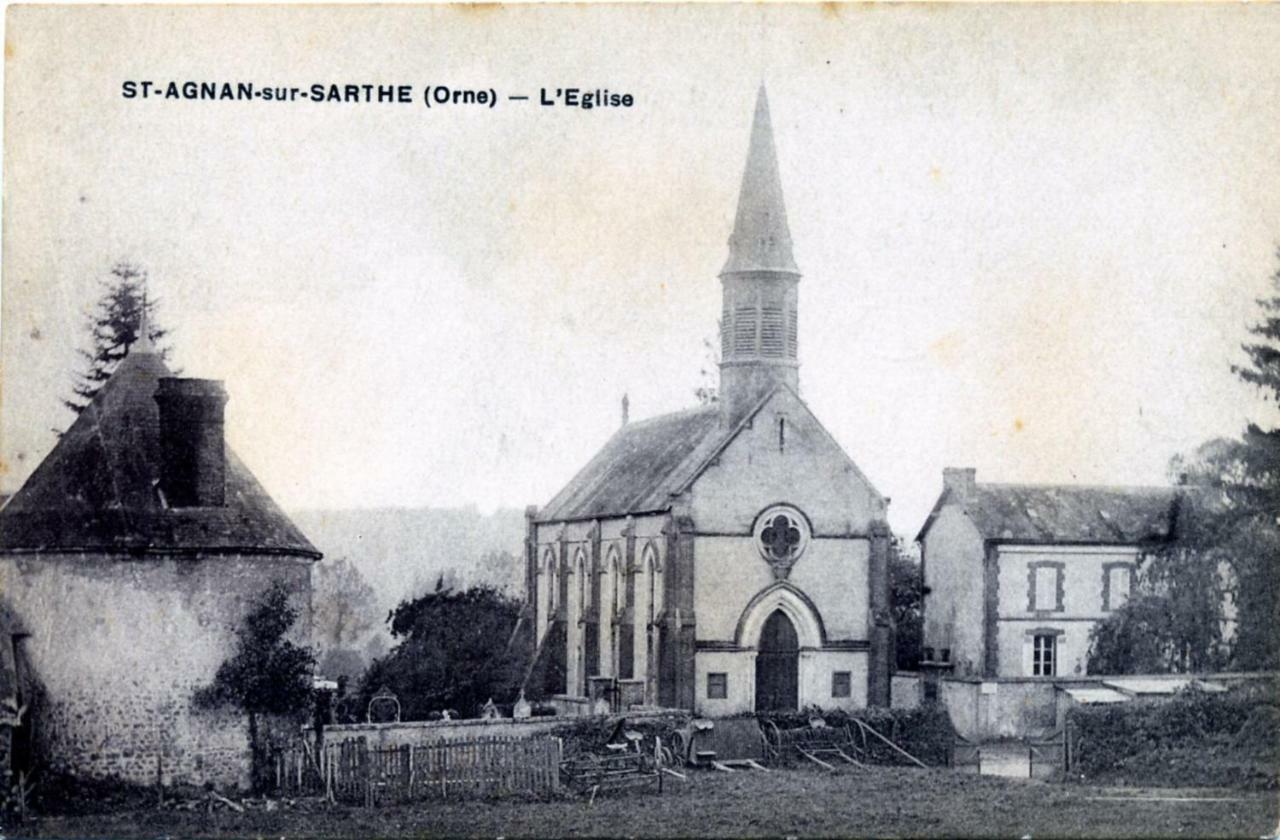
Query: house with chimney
(1016, 576)
(730, 557)
(127, 561)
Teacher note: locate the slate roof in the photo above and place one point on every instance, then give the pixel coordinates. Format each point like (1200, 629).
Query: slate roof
(96, 491)
(1064, 513)
(640, 467)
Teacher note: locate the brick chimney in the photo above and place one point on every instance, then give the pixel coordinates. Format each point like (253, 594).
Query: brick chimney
(193, 458)
(960, 482)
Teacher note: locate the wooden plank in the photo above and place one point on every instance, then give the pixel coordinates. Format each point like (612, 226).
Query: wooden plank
(814, 758)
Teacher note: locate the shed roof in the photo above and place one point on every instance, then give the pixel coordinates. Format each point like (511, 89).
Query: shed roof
(96, 490)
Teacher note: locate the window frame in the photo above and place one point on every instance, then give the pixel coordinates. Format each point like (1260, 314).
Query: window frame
(839, 691)
(717, 685)
(1060, 570)
(1107, 569)
(1038, 654)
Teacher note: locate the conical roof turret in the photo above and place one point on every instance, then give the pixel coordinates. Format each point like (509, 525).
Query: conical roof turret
(761, 239)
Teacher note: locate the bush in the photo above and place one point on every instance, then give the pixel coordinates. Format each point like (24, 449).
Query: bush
(582, 736)
(1193, 738)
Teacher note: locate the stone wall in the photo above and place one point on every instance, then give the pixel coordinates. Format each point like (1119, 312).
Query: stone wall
(421, 732)
(119, 644)
(952, 560)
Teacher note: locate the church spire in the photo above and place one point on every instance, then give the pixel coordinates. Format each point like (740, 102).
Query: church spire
(758, 324)
(761, 240)
(142, 341)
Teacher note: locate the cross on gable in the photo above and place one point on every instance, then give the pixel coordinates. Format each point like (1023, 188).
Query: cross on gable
(781, 537)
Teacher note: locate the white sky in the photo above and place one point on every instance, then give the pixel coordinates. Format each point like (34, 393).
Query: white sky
(1030, 236)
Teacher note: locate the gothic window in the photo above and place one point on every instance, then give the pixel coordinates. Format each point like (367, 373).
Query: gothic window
(584, 576)
(781, 535)
(651, 577)
(550, 559)
(615, 578)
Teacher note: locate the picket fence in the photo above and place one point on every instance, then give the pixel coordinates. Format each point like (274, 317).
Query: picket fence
(353, 772)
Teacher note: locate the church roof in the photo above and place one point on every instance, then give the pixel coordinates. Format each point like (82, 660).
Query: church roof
(639, 468)
(1065, 513)
(96, 491)
(761, 239)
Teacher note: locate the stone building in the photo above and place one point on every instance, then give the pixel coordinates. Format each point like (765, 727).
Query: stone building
(127, 560)
(1017, 575)
(728, 557)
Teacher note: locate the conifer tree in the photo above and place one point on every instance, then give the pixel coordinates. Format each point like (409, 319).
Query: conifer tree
(113, 326)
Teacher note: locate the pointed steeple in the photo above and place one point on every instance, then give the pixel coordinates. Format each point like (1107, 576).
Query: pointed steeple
(143, 342)
(761, 240)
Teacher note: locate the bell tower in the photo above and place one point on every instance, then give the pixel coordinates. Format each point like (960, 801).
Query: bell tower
(758, 330)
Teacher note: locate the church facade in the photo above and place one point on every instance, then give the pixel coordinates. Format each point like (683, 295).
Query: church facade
(730, 557)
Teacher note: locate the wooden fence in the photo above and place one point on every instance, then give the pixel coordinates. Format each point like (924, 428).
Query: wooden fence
(353, 772)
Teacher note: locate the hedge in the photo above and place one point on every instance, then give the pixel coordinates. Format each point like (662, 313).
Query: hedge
(1194, 738)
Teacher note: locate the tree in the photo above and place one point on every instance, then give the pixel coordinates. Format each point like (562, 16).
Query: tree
(906, 591)
(1172, 622)
(346, 607)
(268, 674)
(345, 613)
(708, 391)
(1213, 598)
(113, 326)
(451, 653)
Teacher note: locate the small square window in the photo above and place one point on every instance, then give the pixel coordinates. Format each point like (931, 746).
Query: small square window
(717, 686)
(840, 684)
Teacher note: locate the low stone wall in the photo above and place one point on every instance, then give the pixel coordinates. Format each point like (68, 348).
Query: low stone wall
(419, 732)
(906, 690)
(1027, 708)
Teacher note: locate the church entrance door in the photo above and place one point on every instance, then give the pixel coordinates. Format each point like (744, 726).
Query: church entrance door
(777, 665)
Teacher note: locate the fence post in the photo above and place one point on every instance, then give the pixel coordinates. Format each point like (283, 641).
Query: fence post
(366, 769)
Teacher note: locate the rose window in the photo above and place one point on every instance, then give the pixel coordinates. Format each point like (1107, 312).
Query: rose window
(781, 536)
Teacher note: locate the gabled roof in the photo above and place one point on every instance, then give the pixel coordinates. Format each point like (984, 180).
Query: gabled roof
(1065, 513)
(639, 468)
(96, 491)
(645, 464)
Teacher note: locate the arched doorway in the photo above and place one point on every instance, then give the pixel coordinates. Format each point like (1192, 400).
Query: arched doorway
(777, 665)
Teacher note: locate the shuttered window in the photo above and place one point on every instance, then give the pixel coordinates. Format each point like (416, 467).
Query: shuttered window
(744, 329)
(772, 331)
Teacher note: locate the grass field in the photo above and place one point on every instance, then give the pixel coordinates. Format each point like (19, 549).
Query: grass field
(884, 802)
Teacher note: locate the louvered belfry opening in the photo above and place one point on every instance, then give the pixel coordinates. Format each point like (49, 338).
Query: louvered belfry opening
(759, 331)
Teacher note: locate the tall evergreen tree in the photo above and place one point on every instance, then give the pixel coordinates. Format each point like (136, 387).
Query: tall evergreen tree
(113, 326)
(1215, 595)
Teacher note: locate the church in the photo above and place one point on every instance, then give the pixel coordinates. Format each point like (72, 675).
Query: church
(727, 558)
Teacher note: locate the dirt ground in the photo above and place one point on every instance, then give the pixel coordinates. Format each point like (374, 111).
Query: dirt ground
(884, 802)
